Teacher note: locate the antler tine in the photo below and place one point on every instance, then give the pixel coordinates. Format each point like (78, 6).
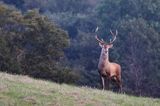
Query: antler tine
(114, 35)
(101, 41)
(97, 29)
(116, 32)
(113, 40)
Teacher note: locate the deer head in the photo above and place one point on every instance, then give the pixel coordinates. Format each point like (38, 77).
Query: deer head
(106, 46)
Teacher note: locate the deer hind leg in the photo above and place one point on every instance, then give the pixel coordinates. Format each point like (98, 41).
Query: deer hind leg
(118, 82)
(107, 83)
(120, 85)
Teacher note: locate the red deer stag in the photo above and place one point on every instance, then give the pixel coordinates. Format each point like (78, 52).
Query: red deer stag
(108, 71)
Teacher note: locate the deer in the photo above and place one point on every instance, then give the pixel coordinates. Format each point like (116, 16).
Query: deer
(108, 71)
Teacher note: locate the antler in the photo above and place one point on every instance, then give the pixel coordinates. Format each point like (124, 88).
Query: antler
(101, 41)
(114, 36)
(111, 40)
(97, 29)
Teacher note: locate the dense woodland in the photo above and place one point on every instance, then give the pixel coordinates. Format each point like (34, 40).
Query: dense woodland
(54, 40)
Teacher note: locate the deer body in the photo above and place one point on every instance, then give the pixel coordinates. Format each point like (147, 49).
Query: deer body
(107, 68)
(108, 71)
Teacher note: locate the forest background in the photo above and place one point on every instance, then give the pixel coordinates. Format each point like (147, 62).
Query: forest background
(54, 40)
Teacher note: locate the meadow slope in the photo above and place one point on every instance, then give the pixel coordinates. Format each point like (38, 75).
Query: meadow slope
(18, 90)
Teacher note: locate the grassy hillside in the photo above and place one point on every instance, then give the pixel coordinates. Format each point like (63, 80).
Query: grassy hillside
(24, 91)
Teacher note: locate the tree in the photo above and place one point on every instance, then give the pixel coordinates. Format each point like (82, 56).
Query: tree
(31, 44)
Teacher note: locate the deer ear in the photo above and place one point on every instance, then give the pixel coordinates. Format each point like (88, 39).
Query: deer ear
(100, 44)
(111, 45)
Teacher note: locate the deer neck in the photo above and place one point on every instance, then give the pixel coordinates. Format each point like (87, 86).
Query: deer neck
(104, 57)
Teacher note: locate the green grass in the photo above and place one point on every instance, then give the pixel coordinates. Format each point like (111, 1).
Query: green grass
(24, 91)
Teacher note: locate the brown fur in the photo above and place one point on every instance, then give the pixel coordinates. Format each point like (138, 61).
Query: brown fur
(108, 71)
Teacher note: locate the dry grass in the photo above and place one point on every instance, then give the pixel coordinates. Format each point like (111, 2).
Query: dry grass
(24, 91)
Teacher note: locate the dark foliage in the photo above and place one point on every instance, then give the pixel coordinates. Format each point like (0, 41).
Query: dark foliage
(31, 44)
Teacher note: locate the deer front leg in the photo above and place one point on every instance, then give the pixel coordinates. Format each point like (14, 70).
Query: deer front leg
(103, 82)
